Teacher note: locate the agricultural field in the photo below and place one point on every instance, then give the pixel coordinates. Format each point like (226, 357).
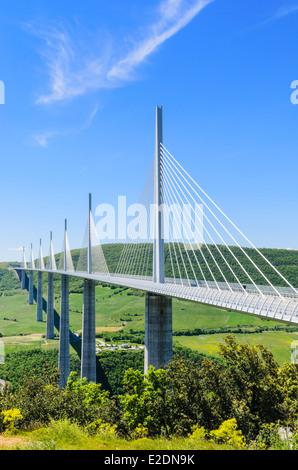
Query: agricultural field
(123, 310)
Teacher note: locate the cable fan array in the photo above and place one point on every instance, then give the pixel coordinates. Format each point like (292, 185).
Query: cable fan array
(201, 244)
(98, 262)
(65, 261)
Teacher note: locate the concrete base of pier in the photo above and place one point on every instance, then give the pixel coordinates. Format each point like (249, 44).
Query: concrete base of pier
(64, 355)
(88, 357)
(158, 331)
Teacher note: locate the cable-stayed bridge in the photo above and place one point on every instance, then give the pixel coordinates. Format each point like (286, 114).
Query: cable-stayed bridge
(179, 245)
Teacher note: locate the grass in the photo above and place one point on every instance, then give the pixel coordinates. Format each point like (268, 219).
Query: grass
(63, 435)
(278, 342)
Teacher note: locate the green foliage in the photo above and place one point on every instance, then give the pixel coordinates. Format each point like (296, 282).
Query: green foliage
(92, 393)
(228, 433)
(244, 395)
(9, 282)
(101, 427)
(288, 382)
(267, 437)
(11, 419)
(146, 401)
(24, 363)
(245, 385)
(40, 400)
(197, 432)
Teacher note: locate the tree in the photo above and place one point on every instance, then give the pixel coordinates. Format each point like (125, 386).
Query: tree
(288, 381)
(253, 381)
(146, 401)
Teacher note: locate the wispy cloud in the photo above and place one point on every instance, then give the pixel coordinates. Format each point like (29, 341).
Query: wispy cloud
(20, 248)
(282, 12)
(42, 139)
(174, 15)
(75, 68)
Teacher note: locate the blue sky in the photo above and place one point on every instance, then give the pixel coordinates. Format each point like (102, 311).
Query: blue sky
(82, 80)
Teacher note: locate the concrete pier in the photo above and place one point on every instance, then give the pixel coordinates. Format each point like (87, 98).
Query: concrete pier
(64, 355)
(30, 301)
(50, 308)
(158, 331)
(23, 280)
(88, 357)
(23, 272)
(39, 311)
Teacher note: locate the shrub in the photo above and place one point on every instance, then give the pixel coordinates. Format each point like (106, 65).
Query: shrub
(227, 433)
(101, 427)
(11, 419)
(140, 432)
(197, 432)
(267, 437)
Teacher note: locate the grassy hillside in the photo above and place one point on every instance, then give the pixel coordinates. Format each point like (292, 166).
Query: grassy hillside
(8, 280)
(286, 261)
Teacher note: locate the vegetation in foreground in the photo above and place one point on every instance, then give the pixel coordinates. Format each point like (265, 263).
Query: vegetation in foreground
(242, 401)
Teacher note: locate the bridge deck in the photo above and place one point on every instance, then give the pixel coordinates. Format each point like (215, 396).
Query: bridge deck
(283, 307)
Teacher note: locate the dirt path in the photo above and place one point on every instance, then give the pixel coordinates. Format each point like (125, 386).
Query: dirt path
(11, 442)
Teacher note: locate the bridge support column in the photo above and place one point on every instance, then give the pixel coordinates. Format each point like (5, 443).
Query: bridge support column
(39, 312)
(64, 356)
(88, 358)
(158, 331)
(50, 307)
(23, 280)
(30, 301)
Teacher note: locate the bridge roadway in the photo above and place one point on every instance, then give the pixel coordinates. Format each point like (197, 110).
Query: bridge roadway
(283, 307)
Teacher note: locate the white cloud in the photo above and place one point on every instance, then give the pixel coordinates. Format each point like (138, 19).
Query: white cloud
(74, 67)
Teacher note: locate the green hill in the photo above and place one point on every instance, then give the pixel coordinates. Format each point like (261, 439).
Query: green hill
(285, 261)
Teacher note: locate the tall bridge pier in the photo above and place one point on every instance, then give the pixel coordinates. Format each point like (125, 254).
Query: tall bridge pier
(23, 273)
(158, 331)
(39, 310)
(158, 308)
(30, 300)
(50, 308)
(50, 298)
(88, 356)
(32, 265)
(64, 354)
